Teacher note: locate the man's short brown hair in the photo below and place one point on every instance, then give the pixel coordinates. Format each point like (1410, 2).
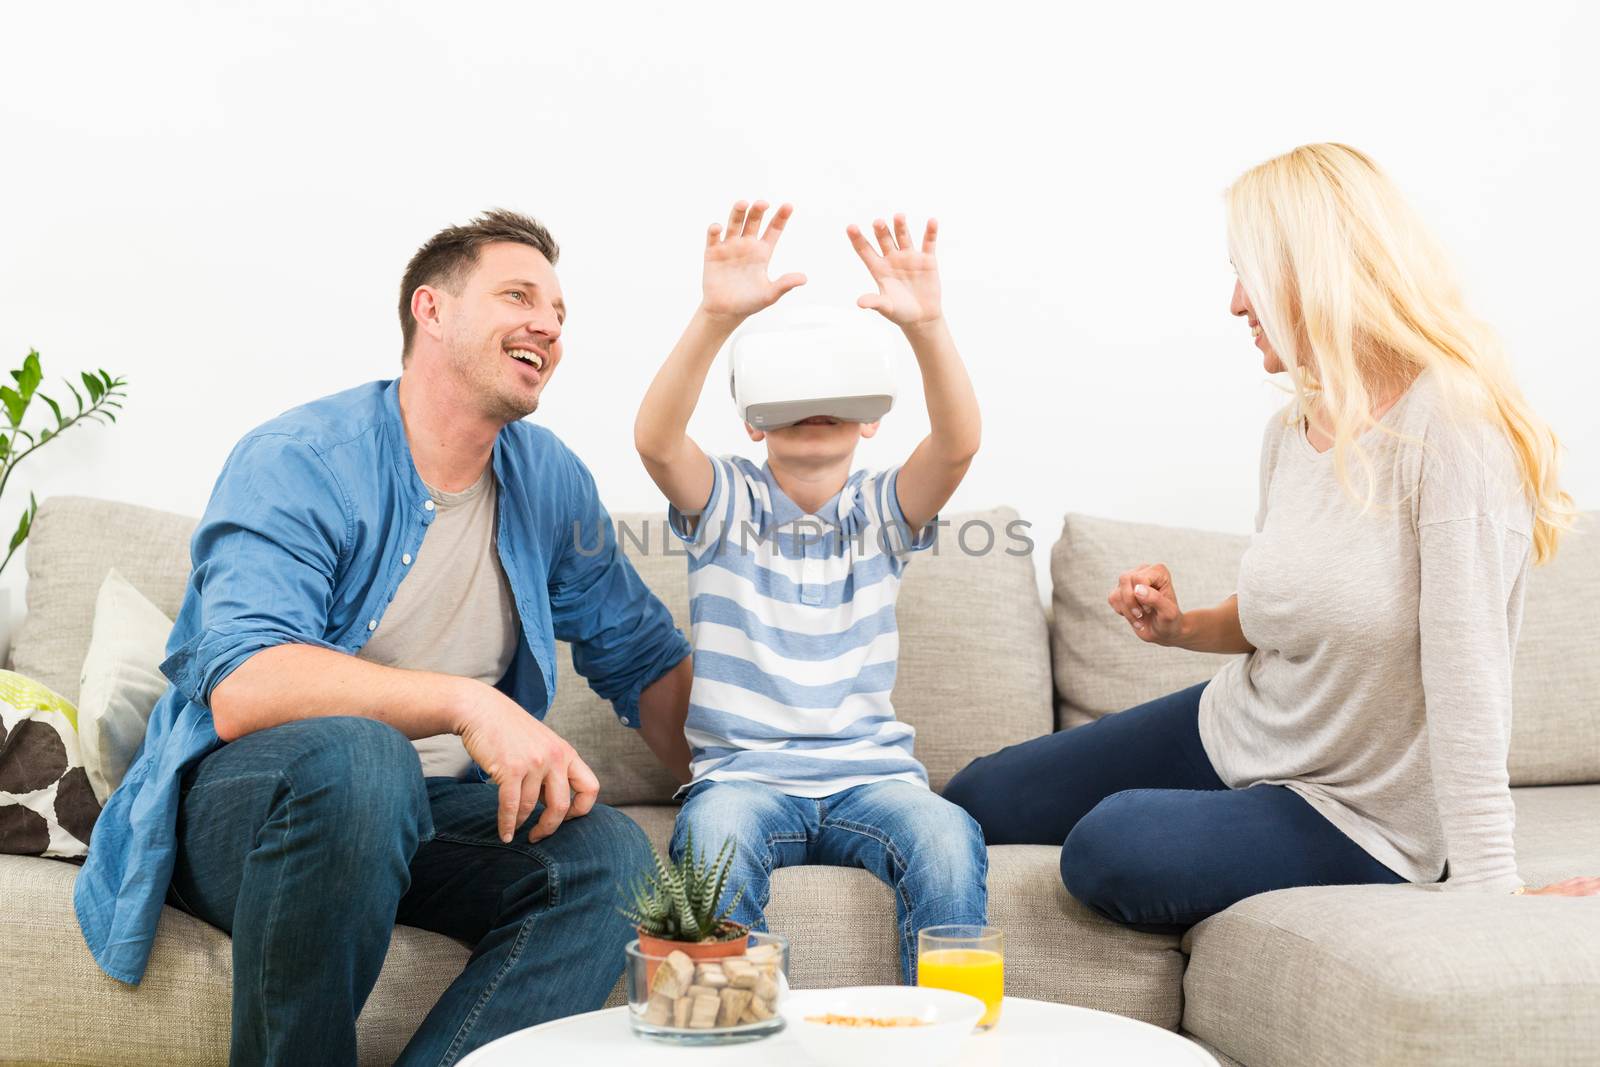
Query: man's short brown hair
(451, 254)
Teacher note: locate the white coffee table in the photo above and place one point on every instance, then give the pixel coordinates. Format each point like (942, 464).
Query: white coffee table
(1031, 1032)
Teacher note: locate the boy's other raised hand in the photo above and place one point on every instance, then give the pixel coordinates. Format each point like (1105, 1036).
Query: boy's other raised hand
(907, 277)
(735, 282)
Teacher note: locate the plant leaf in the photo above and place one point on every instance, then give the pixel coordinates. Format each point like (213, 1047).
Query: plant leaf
(60, 422)
(31, 375)
(734, 903)
(687, 920)
(16, 406)
(685, 893)
(719, 878)
(94, 385)
(22, 527)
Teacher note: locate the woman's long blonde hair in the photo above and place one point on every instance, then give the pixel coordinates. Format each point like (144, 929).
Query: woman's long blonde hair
(1357, 299)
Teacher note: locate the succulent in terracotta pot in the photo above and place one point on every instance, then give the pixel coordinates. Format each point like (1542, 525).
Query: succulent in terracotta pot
(675, 906)
(700, 969)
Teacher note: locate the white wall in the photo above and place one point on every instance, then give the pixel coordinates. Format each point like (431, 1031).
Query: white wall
(217, 202)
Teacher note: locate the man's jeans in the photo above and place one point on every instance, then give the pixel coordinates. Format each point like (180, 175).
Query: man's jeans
(927, 849)
(309, 841)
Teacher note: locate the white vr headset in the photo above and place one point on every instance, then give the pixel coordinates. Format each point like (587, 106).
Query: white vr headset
(817, 362)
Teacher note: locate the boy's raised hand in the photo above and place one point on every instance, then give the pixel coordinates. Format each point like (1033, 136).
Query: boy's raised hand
(907, 277)
(735, 282)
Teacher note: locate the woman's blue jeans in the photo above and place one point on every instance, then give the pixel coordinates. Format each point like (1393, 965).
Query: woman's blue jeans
(309, 841)
(1152, 837)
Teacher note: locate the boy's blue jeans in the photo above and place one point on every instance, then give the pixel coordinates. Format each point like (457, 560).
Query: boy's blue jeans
(929, 851)
(309, 841)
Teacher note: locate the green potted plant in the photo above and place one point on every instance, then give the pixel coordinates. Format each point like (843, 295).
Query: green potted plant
(17, 444)
(693, 968)
(675, 907)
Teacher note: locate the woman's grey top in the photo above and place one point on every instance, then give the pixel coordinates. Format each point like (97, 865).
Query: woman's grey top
(1380, 688)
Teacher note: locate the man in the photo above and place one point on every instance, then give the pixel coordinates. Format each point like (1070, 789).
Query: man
(352, 736)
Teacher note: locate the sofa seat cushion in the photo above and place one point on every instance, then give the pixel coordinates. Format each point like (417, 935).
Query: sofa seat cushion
(841, 924)
(1413, 974)
(1558, 832)
(57, 1007)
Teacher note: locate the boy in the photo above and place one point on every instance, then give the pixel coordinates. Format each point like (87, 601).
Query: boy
(797, 755)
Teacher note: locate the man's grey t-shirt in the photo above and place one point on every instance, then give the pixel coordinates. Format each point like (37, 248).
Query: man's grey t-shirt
(453, 612)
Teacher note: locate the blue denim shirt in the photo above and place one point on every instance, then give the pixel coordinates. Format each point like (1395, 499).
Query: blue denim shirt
(309, 532)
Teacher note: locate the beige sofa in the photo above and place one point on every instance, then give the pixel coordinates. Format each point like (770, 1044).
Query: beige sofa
(1328, 975)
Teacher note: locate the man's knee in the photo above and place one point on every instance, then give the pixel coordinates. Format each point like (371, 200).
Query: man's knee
(617, 844)
(356, 775)
(604, 847)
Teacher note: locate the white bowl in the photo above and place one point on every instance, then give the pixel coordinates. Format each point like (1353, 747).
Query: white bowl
(948, 1017)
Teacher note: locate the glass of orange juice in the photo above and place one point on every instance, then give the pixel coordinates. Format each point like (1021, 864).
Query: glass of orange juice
(966, 959)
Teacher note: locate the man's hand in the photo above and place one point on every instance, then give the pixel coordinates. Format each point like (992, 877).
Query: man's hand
(908, 279)
(525, 758)
(735, 283)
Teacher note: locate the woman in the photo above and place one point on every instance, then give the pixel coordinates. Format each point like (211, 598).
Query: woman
(1361, 734)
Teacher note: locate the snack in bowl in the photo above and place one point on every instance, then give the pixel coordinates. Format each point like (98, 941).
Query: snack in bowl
(871, 1026)
(865, 1020)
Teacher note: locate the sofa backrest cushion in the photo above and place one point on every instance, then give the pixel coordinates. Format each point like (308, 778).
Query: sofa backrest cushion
(974, 671)
(74, 544)
(1555, 718)
(974, 655)
(1101, 667)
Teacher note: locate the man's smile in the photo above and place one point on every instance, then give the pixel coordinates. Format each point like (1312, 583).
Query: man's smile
(528, 354)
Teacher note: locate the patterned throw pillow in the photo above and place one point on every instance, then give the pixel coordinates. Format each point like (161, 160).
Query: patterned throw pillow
(47, 807)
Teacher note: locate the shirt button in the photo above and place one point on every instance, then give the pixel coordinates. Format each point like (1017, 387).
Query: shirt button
(623, 719)
(427, 505)
(406, 559)
(372, 624)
